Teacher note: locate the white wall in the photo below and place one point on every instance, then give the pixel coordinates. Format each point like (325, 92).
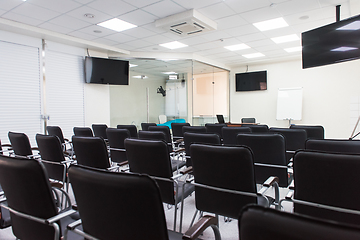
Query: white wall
(327, 94)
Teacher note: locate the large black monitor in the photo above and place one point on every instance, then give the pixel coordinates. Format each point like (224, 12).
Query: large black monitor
(251, 81)
(106, 71)
(333, 43)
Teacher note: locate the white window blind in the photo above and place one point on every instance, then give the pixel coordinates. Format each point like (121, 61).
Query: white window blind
(64, 90)
(20, 107)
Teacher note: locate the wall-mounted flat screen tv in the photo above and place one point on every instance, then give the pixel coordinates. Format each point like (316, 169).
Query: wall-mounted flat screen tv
(333, 43)
(251, 81)
(106, 71)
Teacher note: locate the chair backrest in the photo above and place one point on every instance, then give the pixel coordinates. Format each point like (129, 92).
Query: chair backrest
(27, 189)
(229, 134)
(312, 132)
(257, 222)
(215, 128)
(224, 167)
(145, 126)
(116, 138)
(20, 143)
(151, 157)
(194, 129)
(190, 138)
(128, 205)
(132, 129)
(333, 145)
(267, 149)
(329, 179)
(248, 120)
(260, 128)
(56, 131)
(164, 129)
(176, 129)
(83, 132)
(91, 151)
(100, 130)
(294, 139)
(152, 135)
(51, 150)
(162, 119)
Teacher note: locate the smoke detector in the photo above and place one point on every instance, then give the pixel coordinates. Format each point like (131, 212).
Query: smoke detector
(187, 23)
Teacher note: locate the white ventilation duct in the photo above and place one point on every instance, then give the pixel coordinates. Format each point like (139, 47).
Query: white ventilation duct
(187, 23)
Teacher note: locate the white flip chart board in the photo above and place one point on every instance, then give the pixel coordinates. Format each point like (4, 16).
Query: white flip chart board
(289, 104)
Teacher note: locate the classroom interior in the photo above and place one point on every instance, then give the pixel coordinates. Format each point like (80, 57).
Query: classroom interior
(43, 45)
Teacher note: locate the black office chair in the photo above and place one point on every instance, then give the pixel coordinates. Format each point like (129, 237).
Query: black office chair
(116, 138)
(256, 222)
(225, 180)
(324, 186)
(31, 200)
(176, 129)
(333, 145)
(176, 163)
(248, 120)
(145, 126)
(92, 152)
(260, 128)
(190, 138)
(215, 128)
(66, 144)
(132, 129)
(194, 129)
(152, 157)
(229, 134)
(20, 144)
(53, 158)
(129, 206)
(269, 155)
(312, 132)
(83, 132)
(166, 131)
(100, 130)
(294, 139)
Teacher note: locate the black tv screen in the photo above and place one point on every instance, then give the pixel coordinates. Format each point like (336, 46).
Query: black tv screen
(106, 71)
(251, 81)
(333, 43)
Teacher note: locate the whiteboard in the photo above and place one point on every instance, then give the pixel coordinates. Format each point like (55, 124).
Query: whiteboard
(289, 104)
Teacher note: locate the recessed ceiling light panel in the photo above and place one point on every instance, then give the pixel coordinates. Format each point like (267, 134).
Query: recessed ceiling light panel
(116, 25)
(237, 47)
(173, 45)
(271, 24)
(287, 38)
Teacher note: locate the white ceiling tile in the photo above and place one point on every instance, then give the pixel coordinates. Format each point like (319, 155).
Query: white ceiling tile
(8, 5)
(138, 17)
(21, 18)
(206, 46)
(82, 35)
(228, 42)
(141, 3)
(164, 8)
(56, 5)
(242, 30)
(138, 43)
(2, 12)
(252, 37)
(105, 41)
(245, 6)
(260, 43)
(81, 11)
(103, 31)
(151, 27)
(230, 22)
(112, 7)
(215, 35)
(83, 1)
(268, 48)
(193, 40)
(296, 6)
(191, 4)
(262, 14)
(120, 37)
(158, 39)
(34, 11)
(69, 22)
(55, 28)
(216, 11)
(139, 32)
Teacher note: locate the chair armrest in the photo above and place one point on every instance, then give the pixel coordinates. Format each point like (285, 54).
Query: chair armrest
(290, 194)
(177, 176)
(118, 149)
(120, 164)
(270, 181)
(187, 170)
(60, 216)
(199, 227)
(179, 150)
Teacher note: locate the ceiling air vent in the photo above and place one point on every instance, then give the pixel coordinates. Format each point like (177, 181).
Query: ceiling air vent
(187, 23)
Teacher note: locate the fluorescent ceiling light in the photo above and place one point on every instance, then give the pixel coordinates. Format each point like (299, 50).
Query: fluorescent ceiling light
(343, 49)
(237, 47)
(287, 38)
(116, 25)
(132, 65)
(169, 73)
(293, 49)
(140, 76)
(351, 26)
(173, 45)
(271, 24)
(253, 55)
(173, 77)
